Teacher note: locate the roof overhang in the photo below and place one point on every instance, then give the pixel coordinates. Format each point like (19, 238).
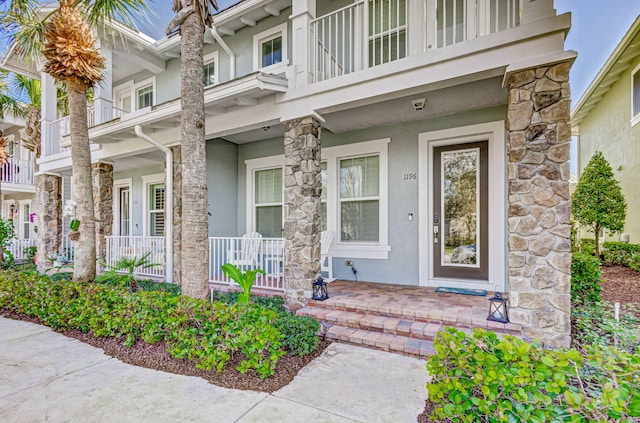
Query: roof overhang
(619, 61)
(218, 99)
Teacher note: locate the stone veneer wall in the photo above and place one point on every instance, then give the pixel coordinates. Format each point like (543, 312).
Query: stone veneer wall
(539, 203)
(49, 217)
(302, 189)
(177, 213)
(102, 174)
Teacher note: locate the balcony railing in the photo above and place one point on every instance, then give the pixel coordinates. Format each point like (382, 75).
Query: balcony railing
(138, 247)
(17, 171)
(266, 254)
(58, 129)
(373, 32)
(17, 247)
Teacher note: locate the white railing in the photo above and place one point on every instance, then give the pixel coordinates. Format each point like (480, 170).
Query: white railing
(138, 246)
(67, 249)
(17, 247)
(368, 33)
(267, 255)
(337, 42)
(17, 171)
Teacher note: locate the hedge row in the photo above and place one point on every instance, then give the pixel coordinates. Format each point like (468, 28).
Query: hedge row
(483, 378)
(208, 333)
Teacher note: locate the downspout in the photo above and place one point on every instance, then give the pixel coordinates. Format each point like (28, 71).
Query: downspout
(168, 238)
(225, 47)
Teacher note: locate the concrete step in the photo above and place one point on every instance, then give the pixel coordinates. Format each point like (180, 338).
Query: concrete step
(381, 341)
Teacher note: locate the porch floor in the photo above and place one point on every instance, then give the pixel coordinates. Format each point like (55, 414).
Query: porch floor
(398, 318)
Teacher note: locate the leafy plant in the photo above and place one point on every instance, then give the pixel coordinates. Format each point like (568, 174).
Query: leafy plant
(30, 253)
(483, 378)
(129, 266)
(74, 225)
(620, 253)
(7, 235)
(585, 279)
(210, 334)
(243, 279)
(596, 325)
(598, 201)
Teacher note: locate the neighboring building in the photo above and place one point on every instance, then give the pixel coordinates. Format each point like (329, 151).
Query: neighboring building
(607, 118)
(437, 129)
(16, 185)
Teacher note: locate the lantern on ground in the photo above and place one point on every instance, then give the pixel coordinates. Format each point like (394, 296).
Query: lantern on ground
(498, 309)
(320, 290)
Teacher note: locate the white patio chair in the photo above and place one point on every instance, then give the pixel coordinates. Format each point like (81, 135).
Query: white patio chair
(247, 254)
(326, 259)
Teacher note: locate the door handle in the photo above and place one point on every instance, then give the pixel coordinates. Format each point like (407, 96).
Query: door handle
(436, 230)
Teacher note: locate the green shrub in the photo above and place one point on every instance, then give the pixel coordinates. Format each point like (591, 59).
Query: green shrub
(208, 333)
(620, 253)
(635, 262)
(596, 325)
(30, 253)
(483, 378)
(587, 246)
(151, 285)
(300, 333)
(61, 276)
(585, 279)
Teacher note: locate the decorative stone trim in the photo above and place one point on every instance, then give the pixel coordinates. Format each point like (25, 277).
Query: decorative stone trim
(49, 217)
(539, 213)
(102, 174)
(302, 189)
(177, 213)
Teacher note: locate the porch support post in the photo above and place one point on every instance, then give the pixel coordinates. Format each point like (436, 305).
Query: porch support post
(303, 12)
(302, 189)
(48, 217)
(102, 173)
(103, 101)
(177, 213)
(539, 203)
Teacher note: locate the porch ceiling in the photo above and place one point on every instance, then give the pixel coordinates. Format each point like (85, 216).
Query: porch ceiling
(440, 102)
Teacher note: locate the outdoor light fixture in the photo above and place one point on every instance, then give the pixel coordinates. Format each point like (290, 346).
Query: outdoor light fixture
(320, 290)
(498, 309)
(12, 210)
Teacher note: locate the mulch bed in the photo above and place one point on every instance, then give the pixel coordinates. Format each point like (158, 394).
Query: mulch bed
(620, 284)
(155, 357)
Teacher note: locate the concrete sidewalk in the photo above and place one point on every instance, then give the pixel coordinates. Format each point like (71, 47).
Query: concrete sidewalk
(45, 376)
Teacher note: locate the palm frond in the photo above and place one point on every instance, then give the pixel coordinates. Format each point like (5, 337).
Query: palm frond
(98, 12)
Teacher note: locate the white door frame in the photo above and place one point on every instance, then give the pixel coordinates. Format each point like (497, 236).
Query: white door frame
(494, 133)
(117, 184)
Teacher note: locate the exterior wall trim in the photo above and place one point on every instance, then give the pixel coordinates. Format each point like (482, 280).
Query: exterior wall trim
(494, 132)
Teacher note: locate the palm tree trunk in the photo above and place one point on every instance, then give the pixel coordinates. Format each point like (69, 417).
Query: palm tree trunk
(84, 267)
(195, 227)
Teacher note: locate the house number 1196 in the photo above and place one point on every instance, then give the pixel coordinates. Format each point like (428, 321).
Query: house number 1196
(409, 177)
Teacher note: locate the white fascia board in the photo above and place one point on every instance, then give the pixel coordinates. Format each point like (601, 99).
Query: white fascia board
(534, 62)
(216, 95)
(577, 113)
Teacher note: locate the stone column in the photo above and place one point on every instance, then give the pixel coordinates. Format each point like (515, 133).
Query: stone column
(177, 212)
(103, 199)
(49, 217)
(302, 189)
(539, 203)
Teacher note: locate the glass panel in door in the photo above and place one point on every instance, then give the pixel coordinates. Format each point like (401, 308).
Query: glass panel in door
(125, 218)
(460, 211)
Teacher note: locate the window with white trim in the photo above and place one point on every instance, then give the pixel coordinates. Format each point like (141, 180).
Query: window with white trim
(156, 209)
(635, 96)
(25, 221)
(354, 200)
(270, 49)
(211, 69)
(360, 199)
(268, 202)
(144, 97)
(154, 204)
(129, 97)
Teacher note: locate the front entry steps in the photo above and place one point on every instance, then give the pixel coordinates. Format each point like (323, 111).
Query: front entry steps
(405, 324)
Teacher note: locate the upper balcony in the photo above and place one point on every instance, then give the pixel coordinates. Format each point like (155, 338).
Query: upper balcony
(17, 175)
(373, 32)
